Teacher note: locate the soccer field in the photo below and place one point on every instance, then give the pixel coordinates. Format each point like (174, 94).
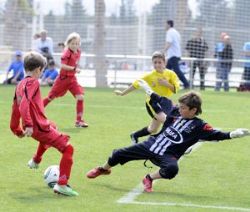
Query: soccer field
(215, 177)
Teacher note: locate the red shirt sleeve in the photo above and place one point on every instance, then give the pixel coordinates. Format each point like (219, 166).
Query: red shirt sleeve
(66, 56)
(30, 90)
(15, 119)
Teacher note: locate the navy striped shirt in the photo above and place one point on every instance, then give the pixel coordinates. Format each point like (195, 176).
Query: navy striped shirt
(178, 134)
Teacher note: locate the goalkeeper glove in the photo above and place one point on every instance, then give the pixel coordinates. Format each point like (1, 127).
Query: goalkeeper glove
(239, 133)
(145, 86)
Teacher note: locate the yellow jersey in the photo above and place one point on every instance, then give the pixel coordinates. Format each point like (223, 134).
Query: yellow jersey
(152, 80)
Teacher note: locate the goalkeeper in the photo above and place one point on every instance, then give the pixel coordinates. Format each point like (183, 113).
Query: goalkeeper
(182, 129)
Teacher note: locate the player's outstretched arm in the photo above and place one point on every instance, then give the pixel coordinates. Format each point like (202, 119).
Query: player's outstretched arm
(238, 133)
(124, 92)
(145, 86)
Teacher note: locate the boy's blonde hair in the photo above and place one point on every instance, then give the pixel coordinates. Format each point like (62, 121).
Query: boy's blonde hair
(158, 54)
(71, 36)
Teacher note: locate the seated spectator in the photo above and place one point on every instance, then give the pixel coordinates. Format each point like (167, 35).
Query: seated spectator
(49, 74)
(17, 68)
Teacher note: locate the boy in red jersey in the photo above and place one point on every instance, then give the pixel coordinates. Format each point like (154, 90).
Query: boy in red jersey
(28, 106)
(66, 81)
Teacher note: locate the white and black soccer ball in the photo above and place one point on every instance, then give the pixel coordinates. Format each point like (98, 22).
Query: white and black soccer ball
(51, 175)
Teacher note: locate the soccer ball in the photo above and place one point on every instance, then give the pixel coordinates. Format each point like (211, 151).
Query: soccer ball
(51, 175)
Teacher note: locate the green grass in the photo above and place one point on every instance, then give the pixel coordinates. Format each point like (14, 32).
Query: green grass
(215, 174)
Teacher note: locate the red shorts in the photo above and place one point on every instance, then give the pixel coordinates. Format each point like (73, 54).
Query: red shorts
(51, 138)
(63, 84)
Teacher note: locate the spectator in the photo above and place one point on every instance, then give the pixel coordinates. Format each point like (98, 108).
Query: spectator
(44, 45)
(61, 45)
(197, 47)
(245, 86)
(18, 70)
(225, 57)
(173, 51)
(49, 74)
(218, 49)
(36, 36)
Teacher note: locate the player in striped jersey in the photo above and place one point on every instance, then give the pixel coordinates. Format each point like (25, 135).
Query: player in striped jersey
(181, 130)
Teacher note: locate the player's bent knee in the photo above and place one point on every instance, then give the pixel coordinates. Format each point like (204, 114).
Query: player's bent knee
(79, 97)
(50, 98)
(161, 117)
(152, 129)
(69, 149)
(170, 171)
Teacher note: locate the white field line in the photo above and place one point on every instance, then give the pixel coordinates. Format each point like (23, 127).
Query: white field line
(191, 205)
(138, 190)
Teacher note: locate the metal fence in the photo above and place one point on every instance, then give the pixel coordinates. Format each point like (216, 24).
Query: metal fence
(122, 70)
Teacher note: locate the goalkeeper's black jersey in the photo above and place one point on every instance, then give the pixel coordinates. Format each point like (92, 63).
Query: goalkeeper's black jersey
(178, 134)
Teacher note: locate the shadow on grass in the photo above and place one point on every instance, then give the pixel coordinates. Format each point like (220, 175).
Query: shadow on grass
(111, 187)
(36, 195)
(71, 130)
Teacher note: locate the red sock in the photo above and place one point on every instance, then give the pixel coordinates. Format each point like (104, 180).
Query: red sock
(39, 152)
(46, 101)
(79, 109)
(65, 165)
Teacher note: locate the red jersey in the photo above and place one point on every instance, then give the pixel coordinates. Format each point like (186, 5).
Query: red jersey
(28, 106)
(70, 58)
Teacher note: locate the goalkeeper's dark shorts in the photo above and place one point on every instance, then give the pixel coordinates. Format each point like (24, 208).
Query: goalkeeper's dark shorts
(164, 105)
(140, 152)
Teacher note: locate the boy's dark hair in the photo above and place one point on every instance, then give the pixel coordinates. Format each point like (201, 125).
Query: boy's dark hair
(170, 23)
(192, 100)
(61, 44)
(51, 62)
(33, 60)
(158, 54)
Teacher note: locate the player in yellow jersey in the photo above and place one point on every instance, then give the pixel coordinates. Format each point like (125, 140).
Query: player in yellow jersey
(163, 82)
